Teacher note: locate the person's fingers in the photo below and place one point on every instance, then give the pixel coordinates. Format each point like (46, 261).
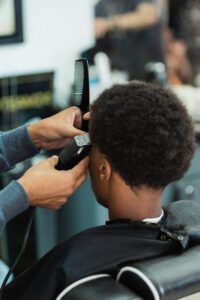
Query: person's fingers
(53, 206)
(80, 180)
(72, 131)
(78, 120)
(76, 117)
(87, 116)
(80, 169)
(53, 161)
(75, 109)
(58, 203)
(52, 203)
(75, 183)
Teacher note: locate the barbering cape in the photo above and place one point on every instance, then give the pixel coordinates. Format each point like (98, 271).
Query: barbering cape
(106, 249)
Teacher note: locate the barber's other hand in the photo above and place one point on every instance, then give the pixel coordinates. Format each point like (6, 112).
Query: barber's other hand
(47, 187)
(56, 131)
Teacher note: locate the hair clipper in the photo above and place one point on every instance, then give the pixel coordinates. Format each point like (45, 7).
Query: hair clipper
(74, 152)
(80, 146)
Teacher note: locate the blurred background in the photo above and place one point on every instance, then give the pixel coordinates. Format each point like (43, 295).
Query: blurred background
(152, 40)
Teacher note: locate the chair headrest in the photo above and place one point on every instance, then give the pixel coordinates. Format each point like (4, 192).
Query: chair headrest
(169, 277)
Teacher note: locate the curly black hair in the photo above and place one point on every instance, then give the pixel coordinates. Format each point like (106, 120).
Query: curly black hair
(145, 132)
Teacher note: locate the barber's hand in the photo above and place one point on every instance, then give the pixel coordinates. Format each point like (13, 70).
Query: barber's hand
(87, 116)
(54, 132)
(47, 187)
(101, 27)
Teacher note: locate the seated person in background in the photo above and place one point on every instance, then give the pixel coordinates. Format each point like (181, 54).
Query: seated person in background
(179, 69)
(129, 32)
(142, 139)
(184, 22)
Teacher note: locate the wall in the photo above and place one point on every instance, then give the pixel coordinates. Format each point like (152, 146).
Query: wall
(54, 33)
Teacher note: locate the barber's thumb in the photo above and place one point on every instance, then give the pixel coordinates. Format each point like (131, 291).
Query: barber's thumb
(72, 131)
(87, 116)
(53, 160)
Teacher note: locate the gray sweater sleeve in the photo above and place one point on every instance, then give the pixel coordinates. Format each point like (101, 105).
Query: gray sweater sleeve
(13, 201)
(15, 146)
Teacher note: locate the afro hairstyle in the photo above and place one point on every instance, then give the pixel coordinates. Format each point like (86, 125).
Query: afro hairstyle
(145, 132)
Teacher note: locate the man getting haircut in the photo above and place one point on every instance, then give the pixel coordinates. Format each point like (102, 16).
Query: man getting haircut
(142, 139)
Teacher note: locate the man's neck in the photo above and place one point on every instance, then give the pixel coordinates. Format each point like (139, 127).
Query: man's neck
(136, 204)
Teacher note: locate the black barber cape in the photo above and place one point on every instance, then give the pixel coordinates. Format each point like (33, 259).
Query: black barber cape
(106, 249)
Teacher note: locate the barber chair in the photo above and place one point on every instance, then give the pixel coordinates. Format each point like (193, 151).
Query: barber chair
(164, 278)
(167, 278)
(97, 287)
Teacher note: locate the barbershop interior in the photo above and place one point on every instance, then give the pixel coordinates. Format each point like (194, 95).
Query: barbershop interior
(59, 54)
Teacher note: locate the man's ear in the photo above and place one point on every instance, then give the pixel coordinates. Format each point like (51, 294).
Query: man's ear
(105, 170)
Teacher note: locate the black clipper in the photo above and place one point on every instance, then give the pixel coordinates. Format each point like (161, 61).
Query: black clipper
(74, 152)
(79, 147)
